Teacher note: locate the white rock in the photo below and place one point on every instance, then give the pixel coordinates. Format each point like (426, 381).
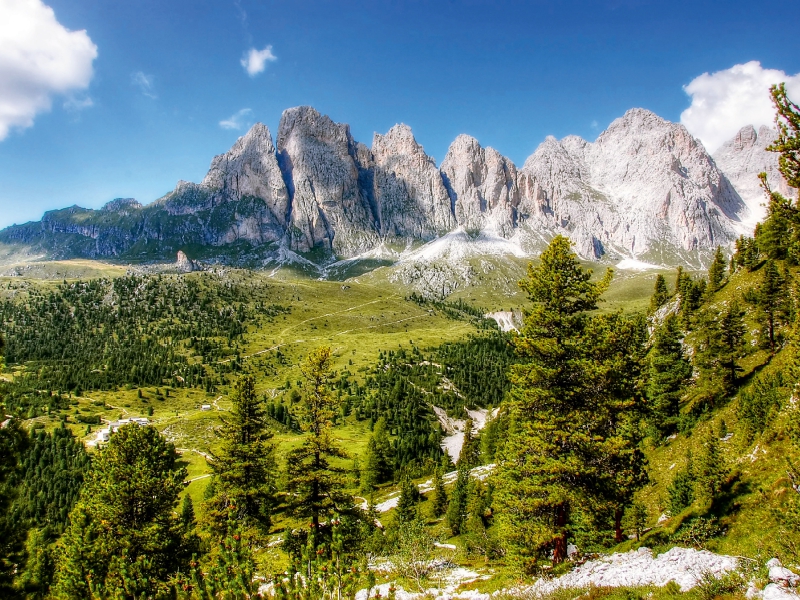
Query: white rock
(743, 158)
(783, 576)
(774, 591)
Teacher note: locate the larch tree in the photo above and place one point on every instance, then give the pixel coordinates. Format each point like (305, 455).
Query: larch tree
(314, 484)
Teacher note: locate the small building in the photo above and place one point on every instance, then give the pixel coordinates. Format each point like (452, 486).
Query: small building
(205, 407)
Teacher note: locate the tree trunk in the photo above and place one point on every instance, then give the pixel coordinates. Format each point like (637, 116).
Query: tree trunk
(618, 525)
(560, 549)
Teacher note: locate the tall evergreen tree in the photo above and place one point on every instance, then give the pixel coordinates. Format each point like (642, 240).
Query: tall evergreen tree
(772, 301)
(549, 461)
(439, 499)
(314, 484)
(660, 293)
(244, 467)
(409, 499)
(722, 343)
(710, 469)
(123, 538)
(378, 458)
(470, 449)
(716, 271)
(669, 371)
(459, 499)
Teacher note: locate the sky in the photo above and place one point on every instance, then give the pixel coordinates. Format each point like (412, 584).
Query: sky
(100, 100)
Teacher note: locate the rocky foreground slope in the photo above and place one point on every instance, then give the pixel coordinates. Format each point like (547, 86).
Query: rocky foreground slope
(645, 188)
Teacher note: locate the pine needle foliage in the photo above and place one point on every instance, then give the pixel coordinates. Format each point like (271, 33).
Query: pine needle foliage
(244, 468)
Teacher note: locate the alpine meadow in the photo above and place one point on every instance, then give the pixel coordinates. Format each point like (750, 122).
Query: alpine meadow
(329, 370)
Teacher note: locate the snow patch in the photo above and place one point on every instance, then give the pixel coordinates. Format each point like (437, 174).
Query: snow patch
(631, 264)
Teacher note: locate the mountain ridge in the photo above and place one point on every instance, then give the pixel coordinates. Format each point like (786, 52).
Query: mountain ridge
(644, 189)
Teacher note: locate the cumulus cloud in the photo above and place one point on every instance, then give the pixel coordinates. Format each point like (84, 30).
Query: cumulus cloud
(238, 120)
(725, 101)
(255, 61)
(39, 58)
(144, 83)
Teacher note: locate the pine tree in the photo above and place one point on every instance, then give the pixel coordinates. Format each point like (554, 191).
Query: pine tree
(378, 459)
(788, 142)
(315, 485)
(772, 301)
(668, 374)
(470, 449)
(550, 461)
(459, 497)
(722, 344)
(710, 470)
(244, 468)
(660, 294)
(187, 513)
(123, 538)
(439, 500)
(409, 499)
(716, 272)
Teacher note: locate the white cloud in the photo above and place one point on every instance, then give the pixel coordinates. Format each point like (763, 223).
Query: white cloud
(725, 101)
(255, 61)
(238, 120)
(39, 58)
(144, 83)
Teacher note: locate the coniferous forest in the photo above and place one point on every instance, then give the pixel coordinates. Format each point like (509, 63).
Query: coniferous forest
(293, 450)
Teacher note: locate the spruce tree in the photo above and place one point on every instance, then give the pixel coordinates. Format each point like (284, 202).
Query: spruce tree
(378, 459)
(470, 448)
(772, 301)
(660, 294)
(721, 345)
(459, 498)
(315, 486)
(439, 499)
(408, 501)
(124, 539)
(187, 513)
(710, 470)
(669, 372)
(244, 468)
(716, 272)
(550, 461)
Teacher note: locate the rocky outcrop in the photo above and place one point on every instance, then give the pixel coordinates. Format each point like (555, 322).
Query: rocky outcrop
(184, 264)
(643, 185)
(742, 158)
(409, 192)
(483, 187)
(329, 207)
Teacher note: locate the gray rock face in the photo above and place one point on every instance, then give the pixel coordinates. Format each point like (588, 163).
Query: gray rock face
(644, 185)
(482, 185)
(645, 188)
(745, 156)
(409, 192)
(329, 207)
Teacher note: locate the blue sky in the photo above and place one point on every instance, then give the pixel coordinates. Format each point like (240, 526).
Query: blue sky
(143, 109)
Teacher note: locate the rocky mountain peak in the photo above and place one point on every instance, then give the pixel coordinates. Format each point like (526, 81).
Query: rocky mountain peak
(742, 158)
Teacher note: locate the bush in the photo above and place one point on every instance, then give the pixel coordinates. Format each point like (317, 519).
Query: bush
(697, 532)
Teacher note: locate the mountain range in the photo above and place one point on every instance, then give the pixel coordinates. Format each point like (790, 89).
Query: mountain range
(645, 189)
